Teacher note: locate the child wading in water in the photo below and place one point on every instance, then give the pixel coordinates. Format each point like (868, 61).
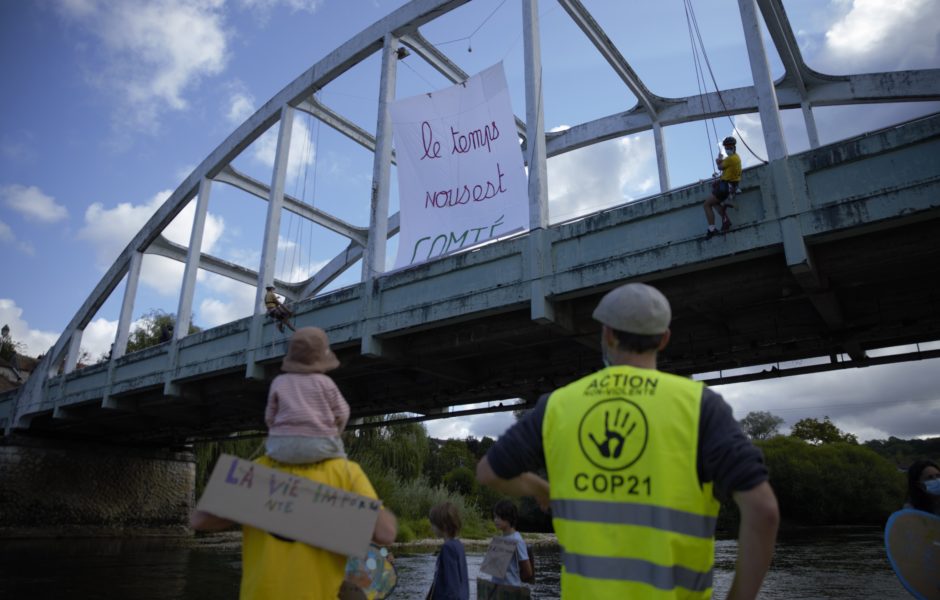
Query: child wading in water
(505, 515)
(306, 413)
(450, 572)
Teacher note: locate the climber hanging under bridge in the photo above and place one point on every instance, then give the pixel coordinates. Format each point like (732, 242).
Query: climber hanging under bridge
(277, 309)
(724, 188)
(728, 177)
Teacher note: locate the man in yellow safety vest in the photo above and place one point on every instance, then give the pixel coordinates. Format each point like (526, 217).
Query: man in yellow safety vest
(636, 461)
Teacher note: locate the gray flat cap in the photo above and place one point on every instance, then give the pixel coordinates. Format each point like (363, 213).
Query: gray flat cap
(635, 308)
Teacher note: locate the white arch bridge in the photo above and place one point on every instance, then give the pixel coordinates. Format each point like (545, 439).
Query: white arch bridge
(835, 255)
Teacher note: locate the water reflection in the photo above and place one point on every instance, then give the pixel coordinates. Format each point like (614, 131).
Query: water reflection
(830, 563)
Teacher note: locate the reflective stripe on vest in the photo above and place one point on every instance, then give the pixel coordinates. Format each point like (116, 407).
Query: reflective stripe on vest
(629, 511)
(635, 569)
(660, 517)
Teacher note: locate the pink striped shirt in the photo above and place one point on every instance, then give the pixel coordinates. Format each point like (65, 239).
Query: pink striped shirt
(306, 404)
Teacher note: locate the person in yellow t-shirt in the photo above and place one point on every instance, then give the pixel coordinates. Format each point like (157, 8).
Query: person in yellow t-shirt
(277, 567)
(726, 185)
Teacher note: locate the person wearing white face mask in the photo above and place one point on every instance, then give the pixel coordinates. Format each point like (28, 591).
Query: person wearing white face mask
(637, 460)
(923, 487)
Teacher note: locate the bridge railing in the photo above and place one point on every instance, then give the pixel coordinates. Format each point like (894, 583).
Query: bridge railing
(864, 182)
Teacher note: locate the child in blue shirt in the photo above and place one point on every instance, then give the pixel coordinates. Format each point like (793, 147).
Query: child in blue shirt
(450, 572)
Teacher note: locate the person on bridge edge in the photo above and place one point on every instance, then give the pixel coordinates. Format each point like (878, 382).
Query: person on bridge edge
(306, 413)
(724, 189)
(637, 460)
(277, 310)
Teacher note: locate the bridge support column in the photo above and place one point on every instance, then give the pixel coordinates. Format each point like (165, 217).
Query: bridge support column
(272, 228)
(59, 488)
(373, 259)
(789, 189)
(767, 104)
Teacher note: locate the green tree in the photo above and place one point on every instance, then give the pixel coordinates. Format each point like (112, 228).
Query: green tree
(761, 425)
(450, 455)
(207, 453)
(904, 452)
(461, 480)
(9, 347)
(832, 483)
(153, 326)
(479, 448)
(402, 449)
(818, 432)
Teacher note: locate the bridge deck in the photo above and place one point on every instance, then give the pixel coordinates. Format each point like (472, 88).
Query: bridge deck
(834, 251)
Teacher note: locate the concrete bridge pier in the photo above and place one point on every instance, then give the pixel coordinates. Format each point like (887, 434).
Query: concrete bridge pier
(64, 488)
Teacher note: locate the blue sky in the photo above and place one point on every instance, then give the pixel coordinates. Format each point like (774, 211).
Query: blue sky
(109, 105)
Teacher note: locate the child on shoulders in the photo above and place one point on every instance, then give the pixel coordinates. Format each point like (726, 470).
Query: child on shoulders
(306, 413)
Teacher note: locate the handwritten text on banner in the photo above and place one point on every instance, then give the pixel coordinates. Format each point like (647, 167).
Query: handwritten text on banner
(461, 179)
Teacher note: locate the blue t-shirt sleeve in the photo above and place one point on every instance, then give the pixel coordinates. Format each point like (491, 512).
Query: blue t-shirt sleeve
(449, 582)
(519, 449)
(725, 455)
(521, 551)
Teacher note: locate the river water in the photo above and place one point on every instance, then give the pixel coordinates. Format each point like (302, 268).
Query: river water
(845, 563)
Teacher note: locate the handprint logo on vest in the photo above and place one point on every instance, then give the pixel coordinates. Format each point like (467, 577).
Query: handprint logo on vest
(613, 434)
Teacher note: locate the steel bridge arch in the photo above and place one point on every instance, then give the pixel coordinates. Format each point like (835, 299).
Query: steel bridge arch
(799, 87)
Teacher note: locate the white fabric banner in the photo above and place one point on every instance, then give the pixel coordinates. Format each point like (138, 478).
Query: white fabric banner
(461, 179)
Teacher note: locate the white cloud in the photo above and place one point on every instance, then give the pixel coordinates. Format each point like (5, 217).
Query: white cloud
(213, 312)
(601, 175)
(872, 403)
(35, 342)
(98, 337)
(750, 132)
(110, 229)
(241, 106)
(8, 237)
(479, 426)
(32, 203)
(243, 255)
(228, 300)
(155, 50)
(857, 36)
(300, 270)
(873, 35)
(899, 399)
(301, 153)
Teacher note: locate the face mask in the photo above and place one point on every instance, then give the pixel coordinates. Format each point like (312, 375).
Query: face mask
(933, 487)
(604, 356)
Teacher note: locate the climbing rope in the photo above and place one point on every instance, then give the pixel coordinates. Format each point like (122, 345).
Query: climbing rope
(469, 38)
(700, 82)
(692, 22)
(313, 194)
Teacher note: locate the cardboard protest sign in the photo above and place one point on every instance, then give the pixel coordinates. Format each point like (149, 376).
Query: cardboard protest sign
(497, 557)
(290, 506)
(461, 179)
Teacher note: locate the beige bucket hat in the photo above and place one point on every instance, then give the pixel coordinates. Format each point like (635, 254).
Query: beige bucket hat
(309, 352)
